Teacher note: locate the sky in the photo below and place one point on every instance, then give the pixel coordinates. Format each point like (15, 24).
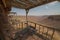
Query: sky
(52, 8)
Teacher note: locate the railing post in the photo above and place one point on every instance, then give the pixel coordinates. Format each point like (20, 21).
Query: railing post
(19, 25)
(52, 34)
(35, 25)
(22, 24)
(39, 28)
(47, 33)
(42, 30)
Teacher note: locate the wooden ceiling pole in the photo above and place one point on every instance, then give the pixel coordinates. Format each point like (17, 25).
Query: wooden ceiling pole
(4, 2)
(18, 5)
(27, 10)
(27, 2)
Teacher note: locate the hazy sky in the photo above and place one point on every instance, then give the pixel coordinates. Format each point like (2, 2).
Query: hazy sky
(52, 8)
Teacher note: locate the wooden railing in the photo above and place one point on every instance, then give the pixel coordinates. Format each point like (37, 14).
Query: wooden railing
(46, 31)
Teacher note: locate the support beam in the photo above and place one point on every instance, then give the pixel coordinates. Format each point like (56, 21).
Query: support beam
(27, 10)
(18, 4)
(5, 7)
(27, 3)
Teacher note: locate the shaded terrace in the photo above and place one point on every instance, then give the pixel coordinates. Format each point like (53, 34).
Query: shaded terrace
(28, 30)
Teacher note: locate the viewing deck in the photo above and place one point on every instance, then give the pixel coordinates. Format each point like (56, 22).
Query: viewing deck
(34, 31)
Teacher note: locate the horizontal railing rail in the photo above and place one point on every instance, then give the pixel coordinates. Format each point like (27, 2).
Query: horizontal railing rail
(46, 31)
(49, 31)
(44, 26)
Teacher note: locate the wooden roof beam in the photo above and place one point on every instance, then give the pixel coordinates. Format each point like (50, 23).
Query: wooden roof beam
(33, 2)
(18, 4)
(25, 1)
(42, 3)
(28, 3)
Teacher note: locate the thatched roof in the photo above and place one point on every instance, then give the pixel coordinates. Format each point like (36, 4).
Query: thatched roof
(28, 4)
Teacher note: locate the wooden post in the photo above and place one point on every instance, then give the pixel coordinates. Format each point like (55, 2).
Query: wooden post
(35, 25)
(39, 28)
(4, 11)
(27, 10)
(52, 34)
(22, 25)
